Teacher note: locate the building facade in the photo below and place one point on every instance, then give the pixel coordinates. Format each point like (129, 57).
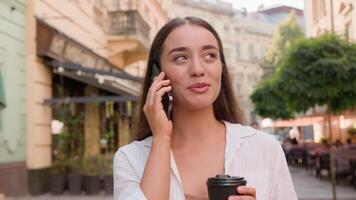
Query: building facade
(253, 38)
(13, 172)
(82, 59)
(331, 15)
(276, 14)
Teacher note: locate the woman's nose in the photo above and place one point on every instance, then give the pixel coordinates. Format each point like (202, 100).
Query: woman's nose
(197, 68)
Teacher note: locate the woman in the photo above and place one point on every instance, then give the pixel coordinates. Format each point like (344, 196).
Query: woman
(173, 159)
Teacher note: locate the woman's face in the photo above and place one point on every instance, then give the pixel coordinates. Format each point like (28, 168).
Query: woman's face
(191, 60)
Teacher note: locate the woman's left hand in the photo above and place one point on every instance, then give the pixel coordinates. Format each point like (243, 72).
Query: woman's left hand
(246, 193)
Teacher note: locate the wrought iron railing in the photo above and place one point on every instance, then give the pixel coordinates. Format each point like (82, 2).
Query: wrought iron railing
(127, 23)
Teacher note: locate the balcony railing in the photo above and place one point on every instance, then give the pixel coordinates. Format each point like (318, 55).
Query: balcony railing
(127, 23)
(122, 5)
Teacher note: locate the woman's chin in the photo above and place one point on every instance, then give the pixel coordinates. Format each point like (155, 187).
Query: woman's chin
(198, 105)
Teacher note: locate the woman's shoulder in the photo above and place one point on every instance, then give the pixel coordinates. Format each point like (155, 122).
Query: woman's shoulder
(135, 148)
(251, 135)
(132, 157)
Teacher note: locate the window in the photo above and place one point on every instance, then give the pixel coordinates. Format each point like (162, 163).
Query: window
(262, 51)
(348, 32)
(238, 50)
(319, 10)
(239, 83)
(251, 52)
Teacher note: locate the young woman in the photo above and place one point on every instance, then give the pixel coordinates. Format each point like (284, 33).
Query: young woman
(173, 158)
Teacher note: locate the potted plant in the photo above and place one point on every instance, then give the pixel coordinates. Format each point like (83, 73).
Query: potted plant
(91, 175)
(75, 172)
(57, 177)
(107, 172)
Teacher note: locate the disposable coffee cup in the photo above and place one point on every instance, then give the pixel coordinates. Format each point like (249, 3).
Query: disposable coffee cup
(221, 187)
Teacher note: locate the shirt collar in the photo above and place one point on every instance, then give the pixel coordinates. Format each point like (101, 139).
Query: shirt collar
(235, 134)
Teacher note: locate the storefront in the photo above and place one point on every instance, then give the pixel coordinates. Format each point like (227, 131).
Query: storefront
(90, 99)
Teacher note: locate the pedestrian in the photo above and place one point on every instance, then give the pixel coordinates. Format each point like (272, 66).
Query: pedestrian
(174, 155)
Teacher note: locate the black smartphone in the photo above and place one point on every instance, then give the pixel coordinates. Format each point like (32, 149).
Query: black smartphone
(167, 98)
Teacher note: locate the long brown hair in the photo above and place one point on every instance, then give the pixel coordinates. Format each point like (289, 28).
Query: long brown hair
(225, 106)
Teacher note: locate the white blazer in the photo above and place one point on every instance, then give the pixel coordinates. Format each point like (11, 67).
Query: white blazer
(249, 153)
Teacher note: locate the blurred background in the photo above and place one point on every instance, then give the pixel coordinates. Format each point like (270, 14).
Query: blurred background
(70, 74)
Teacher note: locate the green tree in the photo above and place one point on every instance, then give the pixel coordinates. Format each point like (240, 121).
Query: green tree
(286, 35)
(319, 71)
(268, 102)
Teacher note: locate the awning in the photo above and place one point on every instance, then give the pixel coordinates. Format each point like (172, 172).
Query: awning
(92, 99)
(118, 83)
(74, 60)
(301, 121)
(77, 67)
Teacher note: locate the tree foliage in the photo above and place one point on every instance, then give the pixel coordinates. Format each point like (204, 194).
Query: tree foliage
(269, 103)
(319, 71)
(286, 35)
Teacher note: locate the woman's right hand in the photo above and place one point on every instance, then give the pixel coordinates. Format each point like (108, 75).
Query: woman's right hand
(153, 108)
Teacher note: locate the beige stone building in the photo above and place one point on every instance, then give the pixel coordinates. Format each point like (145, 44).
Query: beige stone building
(87, 53)
(245, 40)
(326, 15)
(253, 38)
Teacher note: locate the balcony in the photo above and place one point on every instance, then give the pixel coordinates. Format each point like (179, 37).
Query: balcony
(128, 23)
(128, 36)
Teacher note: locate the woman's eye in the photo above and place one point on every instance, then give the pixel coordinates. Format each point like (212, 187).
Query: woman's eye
(210, 56)
(180, 58)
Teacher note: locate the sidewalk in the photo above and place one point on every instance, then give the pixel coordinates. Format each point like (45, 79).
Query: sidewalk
(101, 196)
(309, 187)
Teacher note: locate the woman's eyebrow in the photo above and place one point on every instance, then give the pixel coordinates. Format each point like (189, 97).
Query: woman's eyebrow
(205, 47)
(209, 46)
(178, 49)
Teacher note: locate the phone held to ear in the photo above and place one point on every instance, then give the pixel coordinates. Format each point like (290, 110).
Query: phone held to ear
(167, 98)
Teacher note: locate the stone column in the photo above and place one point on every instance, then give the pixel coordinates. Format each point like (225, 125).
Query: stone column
(124, 132)
(91, 125)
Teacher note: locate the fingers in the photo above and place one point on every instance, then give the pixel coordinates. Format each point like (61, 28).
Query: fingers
(156, 91)
(244, 190)
(159, 94)
(158, 81)
(246, 193)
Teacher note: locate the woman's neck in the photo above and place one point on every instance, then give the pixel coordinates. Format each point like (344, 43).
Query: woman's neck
(192, 127)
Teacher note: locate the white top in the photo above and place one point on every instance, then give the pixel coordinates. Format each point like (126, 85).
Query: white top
(249, 153)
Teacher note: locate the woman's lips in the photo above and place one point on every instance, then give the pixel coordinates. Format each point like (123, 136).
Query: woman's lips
(199, 88)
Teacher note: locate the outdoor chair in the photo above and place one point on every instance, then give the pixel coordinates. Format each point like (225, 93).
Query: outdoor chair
(322, 163)
(297, 155)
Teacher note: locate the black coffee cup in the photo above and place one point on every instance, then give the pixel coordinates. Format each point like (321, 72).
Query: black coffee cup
(222, 186)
